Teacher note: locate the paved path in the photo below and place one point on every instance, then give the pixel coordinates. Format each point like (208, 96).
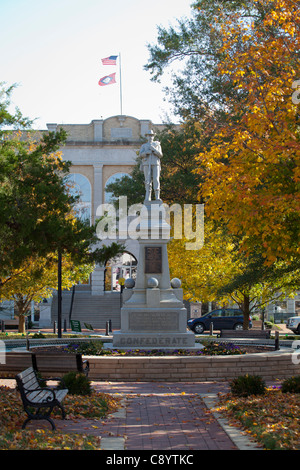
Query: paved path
(159, 416)
(172, 416)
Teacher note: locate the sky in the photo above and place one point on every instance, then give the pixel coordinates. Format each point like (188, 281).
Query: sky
(53, 49)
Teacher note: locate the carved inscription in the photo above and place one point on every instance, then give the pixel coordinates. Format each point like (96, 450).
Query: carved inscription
(153, 321)
(153, 260)
(135, 341)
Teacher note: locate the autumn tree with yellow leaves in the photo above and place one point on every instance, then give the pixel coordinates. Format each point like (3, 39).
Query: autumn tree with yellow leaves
(36, 280)
(252, 164)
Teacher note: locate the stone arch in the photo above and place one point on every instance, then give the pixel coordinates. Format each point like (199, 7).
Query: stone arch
(120, 267)
(79, 185)
(112, 179)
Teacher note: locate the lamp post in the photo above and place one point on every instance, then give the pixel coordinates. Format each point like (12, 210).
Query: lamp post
(59, 296)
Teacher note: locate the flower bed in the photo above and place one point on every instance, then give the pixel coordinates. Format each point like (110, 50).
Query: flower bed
(209, 349)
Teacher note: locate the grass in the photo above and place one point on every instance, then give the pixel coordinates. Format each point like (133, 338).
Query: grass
(12, 416)
(271, 419)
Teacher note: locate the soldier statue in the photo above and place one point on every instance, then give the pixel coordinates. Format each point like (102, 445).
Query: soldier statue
(151, 154)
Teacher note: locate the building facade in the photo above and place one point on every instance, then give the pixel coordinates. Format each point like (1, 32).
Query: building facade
(101, 152)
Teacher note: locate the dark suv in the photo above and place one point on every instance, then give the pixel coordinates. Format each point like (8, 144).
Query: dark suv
(222, 319)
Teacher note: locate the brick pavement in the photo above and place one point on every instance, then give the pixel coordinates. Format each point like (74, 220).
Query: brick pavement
(157, 416)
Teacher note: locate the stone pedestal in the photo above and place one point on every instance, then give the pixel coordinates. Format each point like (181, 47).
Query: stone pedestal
(153, 315)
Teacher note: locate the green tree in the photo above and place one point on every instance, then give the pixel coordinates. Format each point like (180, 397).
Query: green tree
(36, 210)
(179, 182)
(36, 279)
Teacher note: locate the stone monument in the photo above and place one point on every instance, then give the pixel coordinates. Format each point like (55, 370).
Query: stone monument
(153, 315)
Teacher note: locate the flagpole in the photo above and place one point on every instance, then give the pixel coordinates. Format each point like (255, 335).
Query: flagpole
(121, 106)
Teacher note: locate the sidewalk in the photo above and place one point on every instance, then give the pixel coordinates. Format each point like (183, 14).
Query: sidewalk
(159, 416)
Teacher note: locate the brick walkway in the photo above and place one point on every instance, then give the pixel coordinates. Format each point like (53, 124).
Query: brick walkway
(157, 416)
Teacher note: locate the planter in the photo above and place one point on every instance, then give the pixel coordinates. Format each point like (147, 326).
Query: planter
(269, 365)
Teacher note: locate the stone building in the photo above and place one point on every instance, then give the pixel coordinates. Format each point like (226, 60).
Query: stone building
(100, 153)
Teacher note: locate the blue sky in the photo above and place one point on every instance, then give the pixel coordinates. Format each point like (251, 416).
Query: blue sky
(53, 51)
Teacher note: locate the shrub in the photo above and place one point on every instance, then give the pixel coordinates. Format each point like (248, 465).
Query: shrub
(38, 335)
(90, 348)
(246, 385)
(291, 385)
(77, 383)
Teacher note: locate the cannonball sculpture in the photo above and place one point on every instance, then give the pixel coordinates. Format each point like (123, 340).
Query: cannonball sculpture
(176, 283)
(129, 283)
(152, 282)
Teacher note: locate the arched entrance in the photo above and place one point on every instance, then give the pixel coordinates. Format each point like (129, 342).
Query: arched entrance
(121, 267)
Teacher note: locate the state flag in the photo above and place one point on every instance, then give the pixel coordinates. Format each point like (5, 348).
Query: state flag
(111, 60)
(107, 80)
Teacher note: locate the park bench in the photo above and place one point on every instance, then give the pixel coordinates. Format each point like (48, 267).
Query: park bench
(39, 401)
(51, 363)
(9, 323)
(263, 334)
(12, 363)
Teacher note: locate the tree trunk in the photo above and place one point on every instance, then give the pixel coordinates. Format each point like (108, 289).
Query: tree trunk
(22, 328)
(246, 311)
(23, 307)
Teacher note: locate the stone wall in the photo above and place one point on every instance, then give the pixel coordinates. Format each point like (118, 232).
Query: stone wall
(270, 366)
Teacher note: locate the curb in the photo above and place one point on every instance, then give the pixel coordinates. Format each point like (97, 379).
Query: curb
(242, 441)
(115, 443)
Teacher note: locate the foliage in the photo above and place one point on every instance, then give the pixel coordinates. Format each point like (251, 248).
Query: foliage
(34, 223)
(210, 349)
(36, 279)
(239, 63)
(251, 164)
(12, 437)
(246, 385)
(178, 179)
(77, 383)
(272, 419)
(291, 385)
(90, 348)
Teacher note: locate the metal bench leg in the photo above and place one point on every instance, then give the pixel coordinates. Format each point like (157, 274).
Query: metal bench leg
(36, 419)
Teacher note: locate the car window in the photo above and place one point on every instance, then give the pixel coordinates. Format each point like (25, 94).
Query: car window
(216, 313)
(231, 312)
(227, 312)
(237, 313)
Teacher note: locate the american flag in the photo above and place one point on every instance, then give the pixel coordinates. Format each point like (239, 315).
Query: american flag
(111, 60)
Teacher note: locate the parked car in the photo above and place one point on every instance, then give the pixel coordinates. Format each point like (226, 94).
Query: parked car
(293, 324)
(222, 319)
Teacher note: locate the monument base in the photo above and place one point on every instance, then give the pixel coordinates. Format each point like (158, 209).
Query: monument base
(153, 315)
(166, 341)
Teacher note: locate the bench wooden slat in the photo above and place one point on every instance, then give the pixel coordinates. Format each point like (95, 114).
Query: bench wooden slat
(33, 395)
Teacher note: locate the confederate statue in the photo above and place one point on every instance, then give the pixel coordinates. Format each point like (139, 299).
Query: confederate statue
(151, 154)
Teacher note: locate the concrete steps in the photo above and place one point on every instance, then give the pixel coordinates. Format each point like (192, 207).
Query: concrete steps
(88, 308)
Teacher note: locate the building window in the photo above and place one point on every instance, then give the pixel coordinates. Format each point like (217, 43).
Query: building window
(79, 185)
(112, 179)
(120, 267)
(281, 306)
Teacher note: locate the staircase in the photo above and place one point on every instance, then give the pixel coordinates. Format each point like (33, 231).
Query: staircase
(88, 308)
